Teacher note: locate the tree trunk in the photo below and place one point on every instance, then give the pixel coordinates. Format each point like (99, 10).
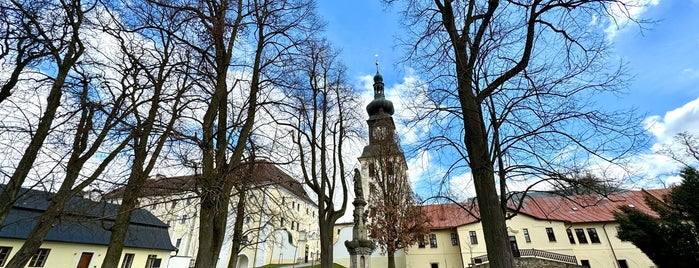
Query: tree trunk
(212, 227)
(9, 194)
(391, 259)
(238, 229)
(42, 227)
(492, 217)
(123, 218)
(73, 51)
(326, 242)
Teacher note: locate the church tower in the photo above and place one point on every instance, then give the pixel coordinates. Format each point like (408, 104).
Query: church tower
(383, 155)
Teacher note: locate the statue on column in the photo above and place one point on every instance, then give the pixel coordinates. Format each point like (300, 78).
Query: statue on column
(360, 248)
(358, 191)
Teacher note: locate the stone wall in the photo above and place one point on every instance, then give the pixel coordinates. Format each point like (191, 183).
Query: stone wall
(526, 262)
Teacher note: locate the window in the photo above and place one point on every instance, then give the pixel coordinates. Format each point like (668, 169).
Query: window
(474, 238)
(594, 238)
(585, 263)
(183, 219)
(372, 170)
(281, 221)
(178, 242)
(421, 242)
(154, 206)
(526, 235)
(128, 260)
(153, 261)
(173, 204)
(244, 240)
(454, 239)
(570, 236)
(552, 236)
(39, 258)
(434, 265)
(580, 233)
(622, 263)
(307, 211)
(283, 200)
(247, 220)
(433, 240)
(189, 200)
(4, 253)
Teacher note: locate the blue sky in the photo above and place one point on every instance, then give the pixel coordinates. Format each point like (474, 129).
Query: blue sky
(663, 58)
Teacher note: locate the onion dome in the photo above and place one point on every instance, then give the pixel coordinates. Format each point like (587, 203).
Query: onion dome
(379, 102)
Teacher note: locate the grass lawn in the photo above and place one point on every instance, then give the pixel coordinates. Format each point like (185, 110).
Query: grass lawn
(275, 265)
(335, 265)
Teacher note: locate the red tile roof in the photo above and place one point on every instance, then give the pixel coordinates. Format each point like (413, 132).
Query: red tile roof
(443, 216)
(571, 209)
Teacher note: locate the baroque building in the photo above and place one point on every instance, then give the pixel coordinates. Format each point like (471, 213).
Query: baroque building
(280, 223)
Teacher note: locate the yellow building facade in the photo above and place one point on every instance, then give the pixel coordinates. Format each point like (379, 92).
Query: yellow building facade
(67, 255)
(576, 229)
(79, 238)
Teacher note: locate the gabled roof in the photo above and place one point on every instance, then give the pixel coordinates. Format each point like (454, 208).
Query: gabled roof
(569, 209)
(264, 174)
(83, 221)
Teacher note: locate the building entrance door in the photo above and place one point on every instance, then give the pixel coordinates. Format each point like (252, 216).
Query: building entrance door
(513, 244)
(85, 259)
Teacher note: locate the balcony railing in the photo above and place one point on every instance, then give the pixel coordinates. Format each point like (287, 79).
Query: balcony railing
(533, 253)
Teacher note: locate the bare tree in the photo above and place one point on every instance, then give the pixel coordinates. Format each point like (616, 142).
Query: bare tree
(158, 79)
(684, 149)
(93, 128)
(519, 80)
(21, 46)
(321, 113)
(250, 37)
(53, 26)
(210, 29)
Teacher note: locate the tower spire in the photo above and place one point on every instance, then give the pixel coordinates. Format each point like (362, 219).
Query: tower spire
(380, 103)
(377, 62)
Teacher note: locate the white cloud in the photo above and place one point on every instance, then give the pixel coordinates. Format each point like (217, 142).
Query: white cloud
(690, 74)
(417, 167)
(682, 119)
(461, 186)
(621, 14)
(657, 169)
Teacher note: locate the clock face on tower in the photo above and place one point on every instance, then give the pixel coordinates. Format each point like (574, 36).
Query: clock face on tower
(379, 133)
